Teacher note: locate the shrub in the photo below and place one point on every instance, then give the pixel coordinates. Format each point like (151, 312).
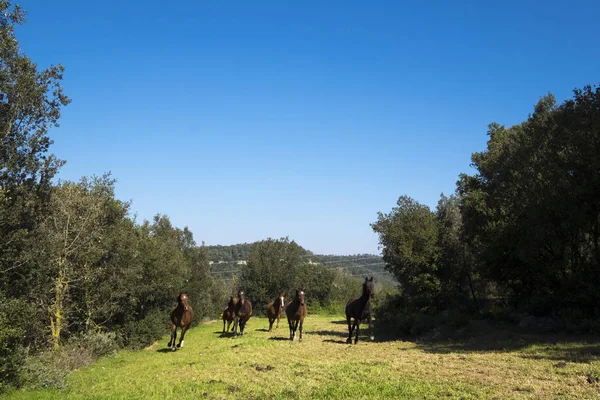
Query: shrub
(98, 344)
(139, 334)
(12, 351)
(49, 368)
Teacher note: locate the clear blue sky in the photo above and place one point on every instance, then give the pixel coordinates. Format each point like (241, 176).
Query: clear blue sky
(247, 120)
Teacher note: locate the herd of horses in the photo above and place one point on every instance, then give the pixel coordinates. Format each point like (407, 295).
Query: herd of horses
(239, 311)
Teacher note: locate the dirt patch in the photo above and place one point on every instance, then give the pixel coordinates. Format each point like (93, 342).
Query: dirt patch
(265, 368)
(151, 347)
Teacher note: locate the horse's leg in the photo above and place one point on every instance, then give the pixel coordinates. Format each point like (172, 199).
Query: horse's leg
(183, 331)
(223, 325)
(349, 319)
(271, 320)
(242, 326)
(295, 328)
(235, 325)
(278, 318)
(357, 324)
(370, 327)
(291, 325)
(301, 322)
(173, 337)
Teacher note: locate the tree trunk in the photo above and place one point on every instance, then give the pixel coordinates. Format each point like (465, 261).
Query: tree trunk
(57, 309)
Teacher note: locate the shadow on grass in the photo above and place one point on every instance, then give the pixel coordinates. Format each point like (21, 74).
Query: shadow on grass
(262, 330)
(326, 333)
(340, 322)
(488, 336)
(279, 338)
(334, 341)
(165, 350)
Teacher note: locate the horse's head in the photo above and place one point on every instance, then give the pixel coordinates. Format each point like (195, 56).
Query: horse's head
(281, 298)
(182, 299)
(369, 288)
(241, 296)
(232, 301)
(300, 296)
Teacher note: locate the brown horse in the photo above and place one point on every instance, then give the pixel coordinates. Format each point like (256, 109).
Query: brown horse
(181, 317)
(360, 309)
(274, 310)
(228, 313)
(243, 312)
(296, 311)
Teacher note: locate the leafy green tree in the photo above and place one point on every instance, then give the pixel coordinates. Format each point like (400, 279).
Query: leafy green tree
(532, 210)
(458, 277)
(30, 104)
(316, 280)
(271, 268)
(71, 249)
(409, 236)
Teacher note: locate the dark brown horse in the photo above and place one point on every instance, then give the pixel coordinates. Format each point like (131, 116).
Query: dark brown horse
(296, 311)
(181, 317)
(360, 309)
(228, 313)
(274, 310)
(243, 312)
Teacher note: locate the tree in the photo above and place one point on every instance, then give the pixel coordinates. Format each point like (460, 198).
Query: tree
(532, 210)
(30, 104)
(316, 280)
(458, 277)
(409, 236)
(271, 268)
(72, 235)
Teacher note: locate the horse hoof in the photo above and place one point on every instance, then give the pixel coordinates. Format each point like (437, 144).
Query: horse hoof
(372, 337)
(300, 339)
(172, 348)
(349, 341)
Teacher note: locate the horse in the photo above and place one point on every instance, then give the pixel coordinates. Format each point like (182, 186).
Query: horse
(243, 312)
(181, 317)
(228, 313)
(274, 310)
(360, 309)
(296, 311)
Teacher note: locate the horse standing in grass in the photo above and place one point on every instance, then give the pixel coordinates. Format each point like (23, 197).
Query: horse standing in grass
(274, 310)
(360, 309)
(243, 312)
(181, 317)
(229, 313)
(296, 311)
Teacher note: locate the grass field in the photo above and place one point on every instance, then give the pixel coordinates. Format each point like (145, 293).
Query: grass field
(263, 365)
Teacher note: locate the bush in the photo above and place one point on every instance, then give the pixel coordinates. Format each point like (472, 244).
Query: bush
(12, 355)
(139, 334)
(49, 369)
(12, 351)
(98, 344)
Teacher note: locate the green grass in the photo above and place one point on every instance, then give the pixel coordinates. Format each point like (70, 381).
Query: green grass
(264, 365)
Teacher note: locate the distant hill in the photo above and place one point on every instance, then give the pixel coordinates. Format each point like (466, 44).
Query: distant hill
(231, 258)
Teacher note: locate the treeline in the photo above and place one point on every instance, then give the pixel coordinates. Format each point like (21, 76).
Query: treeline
(76, 270)
(228, 258)
(230, 253)
(524, 230)
(277, 265)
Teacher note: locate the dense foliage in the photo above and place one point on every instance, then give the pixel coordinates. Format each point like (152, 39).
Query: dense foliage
(524, 228)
